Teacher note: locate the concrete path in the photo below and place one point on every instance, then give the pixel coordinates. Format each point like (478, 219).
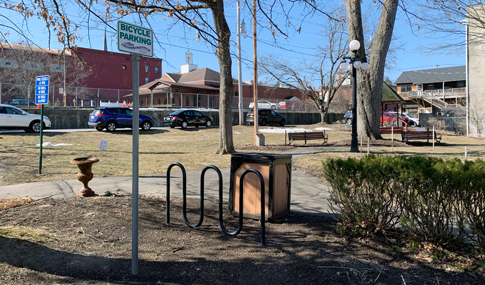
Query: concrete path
(308, 193)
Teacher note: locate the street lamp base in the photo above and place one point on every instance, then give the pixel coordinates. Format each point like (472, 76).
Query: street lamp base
(354, 145)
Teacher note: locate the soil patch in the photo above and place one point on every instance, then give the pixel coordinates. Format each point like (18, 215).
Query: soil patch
(88, 241)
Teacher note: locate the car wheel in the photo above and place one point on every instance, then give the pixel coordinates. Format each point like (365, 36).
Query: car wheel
(208, 124)
(35, 126)
(349, 122)
(172, 126)
(196, 126)
(146, 126)
(282, 123)
(264, 122)
(111, 127)
(184, 125)
(99, 129)
(273, 107)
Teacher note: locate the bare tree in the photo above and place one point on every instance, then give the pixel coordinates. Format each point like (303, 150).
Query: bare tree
(190, 13)
(323, 71)
(370, 81)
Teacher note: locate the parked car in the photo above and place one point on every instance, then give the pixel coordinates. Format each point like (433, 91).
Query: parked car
(185, 118)
(12, 117)
(112, 118)
(266, 117)
(348, 117)
(412, 122)
(21, 103)
(288, 105)
(388, 118)
(263, 104)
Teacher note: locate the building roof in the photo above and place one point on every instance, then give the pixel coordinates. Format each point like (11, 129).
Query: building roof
(389, 95)
(447, 74)
(197, 75)
(32, 48)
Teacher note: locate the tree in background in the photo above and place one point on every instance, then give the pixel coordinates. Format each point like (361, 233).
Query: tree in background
(370, 81)
(214, 30)
(321, 69)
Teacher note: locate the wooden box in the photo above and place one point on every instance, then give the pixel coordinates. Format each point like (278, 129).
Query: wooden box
(276, 172)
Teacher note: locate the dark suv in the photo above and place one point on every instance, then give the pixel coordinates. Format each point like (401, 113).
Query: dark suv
(116, 117)
(266, 117)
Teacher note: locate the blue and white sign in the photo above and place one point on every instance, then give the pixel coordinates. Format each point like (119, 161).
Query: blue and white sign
(42, 89)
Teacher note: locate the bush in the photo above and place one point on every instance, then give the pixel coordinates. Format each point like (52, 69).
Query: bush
(439, 200)
(362, 192)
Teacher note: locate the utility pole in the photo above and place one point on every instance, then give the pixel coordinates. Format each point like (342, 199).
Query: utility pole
(240, 29)
(255, 78)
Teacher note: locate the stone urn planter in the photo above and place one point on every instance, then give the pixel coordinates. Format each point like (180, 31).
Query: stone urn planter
(85, 175)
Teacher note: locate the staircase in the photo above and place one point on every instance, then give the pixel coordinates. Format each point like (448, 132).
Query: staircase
(420, 98)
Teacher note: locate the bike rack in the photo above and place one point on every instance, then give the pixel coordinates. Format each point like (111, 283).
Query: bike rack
(202, 186)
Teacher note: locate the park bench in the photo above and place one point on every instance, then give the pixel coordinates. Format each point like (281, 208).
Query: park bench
(420, 135)
(304, 136)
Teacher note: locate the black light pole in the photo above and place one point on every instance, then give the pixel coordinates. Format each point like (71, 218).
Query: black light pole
(354, 145)
(353, 58)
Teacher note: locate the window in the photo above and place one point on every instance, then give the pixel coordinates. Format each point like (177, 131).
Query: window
(156, 70)
(124, 67)
(159, 101)
(141, 103)
(406, 88)
(187, 101)
(146, 68)
(146, 80)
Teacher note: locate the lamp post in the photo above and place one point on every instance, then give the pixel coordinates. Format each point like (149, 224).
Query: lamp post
(355, 64)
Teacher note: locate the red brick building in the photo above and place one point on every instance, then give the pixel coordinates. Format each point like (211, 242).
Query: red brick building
(114, 70)
(83, 80)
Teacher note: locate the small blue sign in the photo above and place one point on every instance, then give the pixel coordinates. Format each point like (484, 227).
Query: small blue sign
(42, 89)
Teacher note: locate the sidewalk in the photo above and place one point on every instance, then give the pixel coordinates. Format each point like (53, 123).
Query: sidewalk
(308, 193)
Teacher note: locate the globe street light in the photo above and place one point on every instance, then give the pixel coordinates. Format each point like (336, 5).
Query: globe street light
(355, 64)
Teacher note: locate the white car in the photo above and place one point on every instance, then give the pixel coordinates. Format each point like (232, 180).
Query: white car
(14, 118)
(263, 104)
(413, 122)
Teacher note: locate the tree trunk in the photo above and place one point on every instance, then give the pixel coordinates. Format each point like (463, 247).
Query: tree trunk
(370, 82)
(226, 143)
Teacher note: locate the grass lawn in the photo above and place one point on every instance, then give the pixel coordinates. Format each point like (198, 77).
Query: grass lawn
(193, 147)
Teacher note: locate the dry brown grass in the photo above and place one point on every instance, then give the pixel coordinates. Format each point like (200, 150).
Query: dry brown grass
(194, 148)
(13, 202)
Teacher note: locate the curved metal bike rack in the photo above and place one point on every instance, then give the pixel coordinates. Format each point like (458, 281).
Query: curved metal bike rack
(202, 186)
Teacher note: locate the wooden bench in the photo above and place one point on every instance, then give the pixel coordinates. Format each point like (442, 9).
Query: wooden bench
(414, 135)
(304, 136)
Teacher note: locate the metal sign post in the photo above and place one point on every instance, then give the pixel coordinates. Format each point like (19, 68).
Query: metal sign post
(138, 41)
(135, 127)
(41, 98)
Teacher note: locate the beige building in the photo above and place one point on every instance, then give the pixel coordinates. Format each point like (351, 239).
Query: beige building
(476, 77)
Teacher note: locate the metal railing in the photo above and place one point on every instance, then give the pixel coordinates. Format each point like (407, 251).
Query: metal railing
(78, 97)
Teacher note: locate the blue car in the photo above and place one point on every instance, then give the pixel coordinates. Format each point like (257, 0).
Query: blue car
(112, 118)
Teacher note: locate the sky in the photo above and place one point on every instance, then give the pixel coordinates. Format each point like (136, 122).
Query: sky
(298, 47)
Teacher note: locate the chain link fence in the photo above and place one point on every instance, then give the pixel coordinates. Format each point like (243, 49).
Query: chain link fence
(78, 97)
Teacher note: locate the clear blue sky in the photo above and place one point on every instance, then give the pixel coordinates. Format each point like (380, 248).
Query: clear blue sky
(297, 47)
